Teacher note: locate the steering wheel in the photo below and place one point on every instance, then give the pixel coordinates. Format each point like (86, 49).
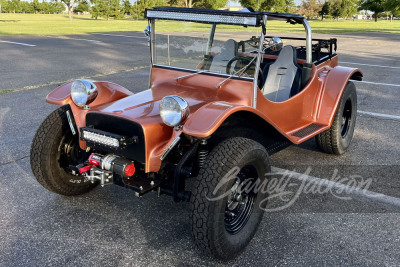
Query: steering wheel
(244, 61)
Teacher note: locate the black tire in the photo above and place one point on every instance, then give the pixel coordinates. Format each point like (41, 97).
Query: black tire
(214, 228)
(337, 139)
(50, 159)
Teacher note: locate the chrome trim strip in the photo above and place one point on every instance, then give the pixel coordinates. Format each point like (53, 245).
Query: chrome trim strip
(71, 125)
(170, 147)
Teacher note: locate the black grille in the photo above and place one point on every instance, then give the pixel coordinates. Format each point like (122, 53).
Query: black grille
(307, 130)
(119, 126)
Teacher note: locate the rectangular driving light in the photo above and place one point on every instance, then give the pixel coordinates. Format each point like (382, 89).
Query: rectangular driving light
(101, 137)
(201, 17)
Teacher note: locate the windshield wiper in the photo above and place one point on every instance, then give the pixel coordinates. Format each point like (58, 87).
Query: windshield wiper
(191, 74)
(241, 70)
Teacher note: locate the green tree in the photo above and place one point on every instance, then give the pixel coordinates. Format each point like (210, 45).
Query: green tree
(336, 9)
(116, 11)
(70, 6)
(83, 6)
(284, 6)
(213, 4)
(95, 9)
(27, 7)
(4, 6)
(177, 3)
(140, 5)
(375, 6)
(326, 9)
(126, 7)
(36, 5)
(269, 5)
(58, 7)
(15, 6)
(46, 7)
(310, 8)
(393, 6)
(106, 9)
(349, 8)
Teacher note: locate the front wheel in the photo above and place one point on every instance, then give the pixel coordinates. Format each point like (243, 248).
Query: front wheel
(337, 139)
(54, 148)
(227, 205)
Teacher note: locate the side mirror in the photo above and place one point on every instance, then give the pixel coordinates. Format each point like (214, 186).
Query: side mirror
(275, 44)
(147, 31)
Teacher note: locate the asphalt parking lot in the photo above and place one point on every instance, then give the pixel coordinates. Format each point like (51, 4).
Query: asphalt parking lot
(110, 227)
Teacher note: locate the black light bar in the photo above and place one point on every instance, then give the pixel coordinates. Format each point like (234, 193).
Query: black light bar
(100, 137)
(204, 15)
(218, 16)
(107, 139)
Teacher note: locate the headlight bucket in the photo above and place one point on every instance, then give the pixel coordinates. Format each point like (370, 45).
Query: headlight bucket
(173, 110)
(83, 92)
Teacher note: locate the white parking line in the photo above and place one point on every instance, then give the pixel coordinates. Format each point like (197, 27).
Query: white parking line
(387, 84)
(373, 54)
(76, 39)
(356, 193)
(379, 115)
(370, 65)
(9, 42)
(119, 35)
(382, 55)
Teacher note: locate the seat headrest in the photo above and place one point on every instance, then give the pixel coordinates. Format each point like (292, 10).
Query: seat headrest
(229, 50)
(287, 55)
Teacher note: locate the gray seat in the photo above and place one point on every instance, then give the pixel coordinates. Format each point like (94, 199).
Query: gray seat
(283, 76)
(220, 61)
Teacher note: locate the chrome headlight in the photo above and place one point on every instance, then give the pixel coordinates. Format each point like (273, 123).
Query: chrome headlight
(173, 110)
(83, 92)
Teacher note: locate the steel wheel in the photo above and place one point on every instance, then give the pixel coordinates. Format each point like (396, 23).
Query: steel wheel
(239, 205)
(346, 118)
(227, 209)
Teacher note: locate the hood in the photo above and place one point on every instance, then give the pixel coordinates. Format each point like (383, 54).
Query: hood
(197, 90)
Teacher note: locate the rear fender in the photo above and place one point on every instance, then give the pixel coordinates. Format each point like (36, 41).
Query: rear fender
(335, 83)
(107, 92)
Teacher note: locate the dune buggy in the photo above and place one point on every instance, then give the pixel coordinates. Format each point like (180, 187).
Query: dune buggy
(222, 97)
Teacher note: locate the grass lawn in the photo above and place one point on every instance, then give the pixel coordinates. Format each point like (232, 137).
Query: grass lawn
(40, 24)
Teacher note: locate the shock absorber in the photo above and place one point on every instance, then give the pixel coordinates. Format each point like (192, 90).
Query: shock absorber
(203, 153)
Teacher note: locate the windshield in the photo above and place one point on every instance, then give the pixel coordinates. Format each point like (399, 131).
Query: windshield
(193, 46)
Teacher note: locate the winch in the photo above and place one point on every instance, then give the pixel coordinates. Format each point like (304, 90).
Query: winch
(103, 168)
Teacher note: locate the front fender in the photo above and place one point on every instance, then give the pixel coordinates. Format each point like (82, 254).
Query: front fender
(334, 85)
(207, 119)
(107, 92)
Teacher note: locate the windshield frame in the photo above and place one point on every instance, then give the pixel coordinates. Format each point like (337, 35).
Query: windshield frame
(210, 41)
(261, 21)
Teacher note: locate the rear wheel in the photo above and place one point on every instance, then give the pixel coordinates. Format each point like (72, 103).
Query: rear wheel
(337, 139)
(227, 208)
(54, 148)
